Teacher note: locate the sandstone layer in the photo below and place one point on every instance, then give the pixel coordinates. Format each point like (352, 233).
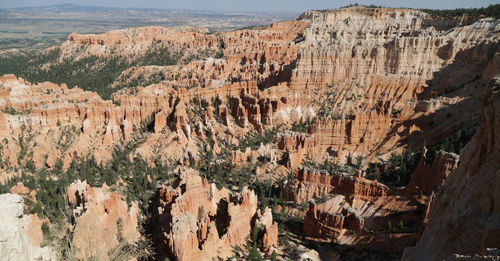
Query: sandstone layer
(375, 80)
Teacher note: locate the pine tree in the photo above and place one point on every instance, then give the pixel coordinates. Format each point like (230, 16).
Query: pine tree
(401, 225)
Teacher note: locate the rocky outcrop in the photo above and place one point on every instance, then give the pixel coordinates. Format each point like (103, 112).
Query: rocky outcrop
(24, 192)
(102, 220)
(308, 185)
(361, 222)
(358, 186)
(315, 184)
(365, 85)
(323, 224)
(64, 123)
(429, 177)
(133, 42)
(340, 45)
(270, 237)
(464, 216)
(15, 243)
(199, 221)
(352, 210)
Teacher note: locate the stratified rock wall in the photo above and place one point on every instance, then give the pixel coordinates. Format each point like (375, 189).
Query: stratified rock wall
(379, 66)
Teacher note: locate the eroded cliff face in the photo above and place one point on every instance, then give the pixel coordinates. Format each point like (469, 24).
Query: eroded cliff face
(199, 221)
(103, 220)
(382, 66)
(44, 123)
(428, 177)
(130, 43)
(375, 80)
(351, 210)
(464, 216)
(327, 87)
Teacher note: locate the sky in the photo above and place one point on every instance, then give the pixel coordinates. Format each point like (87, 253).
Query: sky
(254, 5)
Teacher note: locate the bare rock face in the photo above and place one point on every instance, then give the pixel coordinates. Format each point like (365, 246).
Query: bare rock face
(348, 209)
(379, 80)
(309, 184)
(15, 243)
(102, 218)
(199, 221)
(132, 42)
(314, 184)
(270, 237)
(370, 81)
(464, 217)
(23, 191)
(353, 220)
(428, 178)
(378, 77)
(339, 45)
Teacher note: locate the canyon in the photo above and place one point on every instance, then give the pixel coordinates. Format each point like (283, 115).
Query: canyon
(372, 129)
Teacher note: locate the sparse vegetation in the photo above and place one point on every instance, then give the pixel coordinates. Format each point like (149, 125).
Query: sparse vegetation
(301, 126)
(10, 110)
(216, 142)
(92, 73)
(51, 199)
(254, 139)
(397, 171)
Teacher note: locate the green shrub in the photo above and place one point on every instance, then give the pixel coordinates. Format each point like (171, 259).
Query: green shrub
(254, 254)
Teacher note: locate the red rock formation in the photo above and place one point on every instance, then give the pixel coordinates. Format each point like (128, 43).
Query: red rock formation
(428, 178)
(199, 221)
(379, 77)
(351, 185)
(33, 229)
(308, 185)
(314, 184)
(331, 226)
(326, 225)
(349, 205)
(374, 80)
(65, 123)
(359, 221)
(280, 76)
(102, 218)
(270, 237)
(132, 42)
(23, 191)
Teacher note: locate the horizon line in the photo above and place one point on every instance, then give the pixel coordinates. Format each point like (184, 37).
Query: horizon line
(235, 11)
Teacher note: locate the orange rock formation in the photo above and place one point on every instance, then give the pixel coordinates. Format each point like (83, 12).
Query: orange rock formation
(102, 218)
(428, 178)
(199, 221)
